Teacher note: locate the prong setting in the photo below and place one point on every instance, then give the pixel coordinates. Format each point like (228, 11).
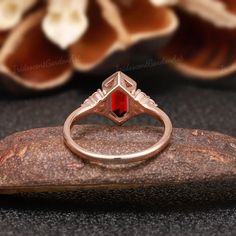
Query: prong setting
(115, 99)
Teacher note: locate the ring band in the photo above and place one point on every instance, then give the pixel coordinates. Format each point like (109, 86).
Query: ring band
(119, 100)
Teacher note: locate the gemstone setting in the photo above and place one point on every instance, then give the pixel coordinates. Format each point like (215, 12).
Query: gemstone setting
(119, 103)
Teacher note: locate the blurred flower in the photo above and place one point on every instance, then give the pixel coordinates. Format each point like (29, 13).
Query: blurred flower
(43, 42)
(70, 23)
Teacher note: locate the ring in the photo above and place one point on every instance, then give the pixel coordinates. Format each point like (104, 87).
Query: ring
(118, 100)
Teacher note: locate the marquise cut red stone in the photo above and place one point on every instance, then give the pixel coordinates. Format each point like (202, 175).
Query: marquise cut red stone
(119, 103)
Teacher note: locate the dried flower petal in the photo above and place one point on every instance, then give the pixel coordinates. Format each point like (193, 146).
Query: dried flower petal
(111, 14)
(221, 13)
(98, 42)
(66, 21)
(202, 50)
(3, 36)
(29, 60)
(118, 25)
(230, 5)
(163, 2)
(11, 12)
(154, 2)
(159, 21)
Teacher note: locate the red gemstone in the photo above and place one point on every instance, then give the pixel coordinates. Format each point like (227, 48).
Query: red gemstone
(119, 103)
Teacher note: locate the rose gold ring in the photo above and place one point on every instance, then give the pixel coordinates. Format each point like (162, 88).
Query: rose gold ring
(119, 100)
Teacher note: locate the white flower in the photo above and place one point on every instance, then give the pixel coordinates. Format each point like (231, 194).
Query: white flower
(66, 21)
(11, 12)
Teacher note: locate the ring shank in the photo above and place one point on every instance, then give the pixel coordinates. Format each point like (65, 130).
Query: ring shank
(155, 112)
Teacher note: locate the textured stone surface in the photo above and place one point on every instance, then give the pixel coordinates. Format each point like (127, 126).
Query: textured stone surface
(38, 160)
